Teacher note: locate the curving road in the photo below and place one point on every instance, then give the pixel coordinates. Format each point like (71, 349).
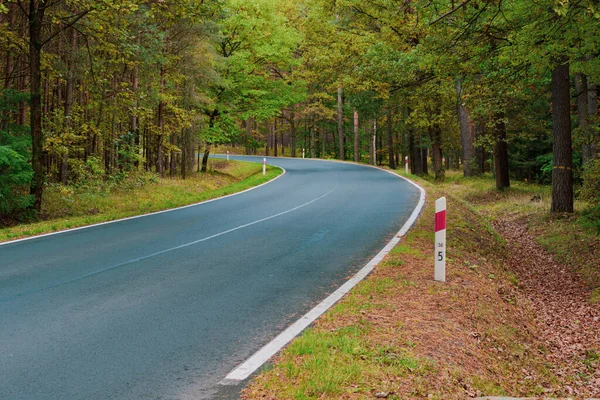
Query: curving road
(164, 306)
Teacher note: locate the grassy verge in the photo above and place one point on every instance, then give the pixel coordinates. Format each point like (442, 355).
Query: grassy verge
(399, 334)
(69, 207)
(569, 238)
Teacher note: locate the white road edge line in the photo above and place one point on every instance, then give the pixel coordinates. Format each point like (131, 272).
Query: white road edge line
(143, 215)
(248, 367)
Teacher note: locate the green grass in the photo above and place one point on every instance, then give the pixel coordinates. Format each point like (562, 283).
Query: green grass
(567, 237)
(379, 337)
(69, 207)
(329, 364)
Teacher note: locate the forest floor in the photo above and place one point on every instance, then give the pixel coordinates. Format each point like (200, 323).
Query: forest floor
(95, 200)
(517, 316)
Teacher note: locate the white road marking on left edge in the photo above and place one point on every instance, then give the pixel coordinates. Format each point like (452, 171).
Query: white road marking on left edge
(170, 249)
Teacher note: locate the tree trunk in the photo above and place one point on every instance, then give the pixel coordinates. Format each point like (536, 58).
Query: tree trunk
(390, 138)
(134, 117)
(205, 158)
(275, 144)
(248, 134)
(161, 125)
(356, 150)
(581, 88)
(340, 119)
(372, 144)
(467, 134)
(184, 153)
(313, 139)
(36, 17)
(173, 163)
(424, 161)
(64, 167)
(267, 128)
(436, 148)
(9, 71)
(562, 169)
(501, 154)
(416, 162)
(293, 133)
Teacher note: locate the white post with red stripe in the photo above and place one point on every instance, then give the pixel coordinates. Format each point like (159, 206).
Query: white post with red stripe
(303, 152)
(406, 164)
(440, 240)
(264, 166)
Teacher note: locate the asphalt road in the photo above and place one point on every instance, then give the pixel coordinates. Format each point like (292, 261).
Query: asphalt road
(164, 306)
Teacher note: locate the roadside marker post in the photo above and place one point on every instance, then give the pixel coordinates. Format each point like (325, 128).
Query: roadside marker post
(227, 155)
(303, 150)
(264, 166)
(440, 240)
(406, 164)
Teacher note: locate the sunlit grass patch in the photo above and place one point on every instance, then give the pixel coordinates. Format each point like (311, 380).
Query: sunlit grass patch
(67, 207)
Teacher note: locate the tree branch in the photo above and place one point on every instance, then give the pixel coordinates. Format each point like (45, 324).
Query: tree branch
(67, 26)
(458, 7)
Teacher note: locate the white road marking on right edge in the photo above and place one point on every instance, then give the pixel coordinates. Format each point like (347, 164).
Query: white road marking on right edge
(244, 370)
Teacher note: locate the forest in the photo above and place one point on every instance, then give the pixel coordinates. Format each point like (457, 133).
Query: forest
(103, 88)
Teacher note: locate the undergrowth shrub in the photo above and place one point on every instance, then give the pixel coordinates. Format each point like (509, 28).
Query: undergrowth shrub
(591, 193)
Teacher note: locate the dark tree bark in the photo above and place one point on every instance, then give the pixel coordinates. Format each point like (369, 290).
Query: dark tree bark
(467, 134)
(425, 168)
(248, 134)
(37, 10)
(581, 87)
(134, 117)
(356, 149)
(415, 160)
(390, 139)
(213, 116)
(267, 128)
(173, 158)
(562, 169)
(293, 133)
(64, 167)
(205, 158)
(161, 126)
(340, 120)
(275, 144)
(436, 148)
(501, 154)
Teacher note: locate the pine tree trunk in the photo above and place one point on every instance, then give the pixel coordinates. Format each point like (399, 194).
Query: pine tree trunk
(356, 149)
(36, 18)
(562, 170)
(205, 158)
(436, 148)
(467, 135)
(312, 141)
(275, 144)
(593, 115)
(248, 134)
(161, 126)
(390, 138)
(64, 167)
(501, 154)
(134, 117)
(293, 133)
(173, 164)
(340, 120)
(581, 88)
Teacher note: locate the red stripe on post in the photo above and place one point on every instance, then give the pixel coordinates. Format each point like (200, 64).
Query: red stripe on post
(440, 221)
